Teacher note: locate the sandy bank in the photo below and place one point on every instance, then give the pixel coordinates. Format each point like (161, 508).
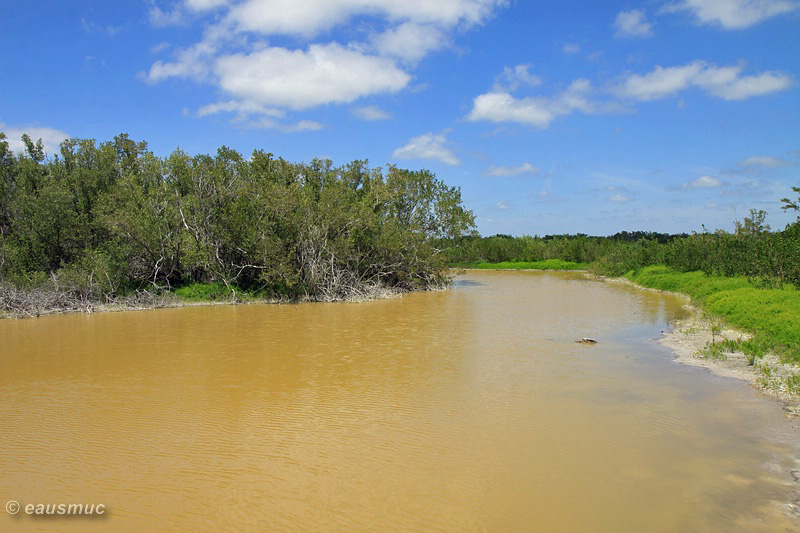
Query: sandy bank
(689, 337)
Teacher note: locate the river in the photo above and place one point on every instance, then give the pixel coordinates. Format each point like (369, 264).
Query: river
(471, 409)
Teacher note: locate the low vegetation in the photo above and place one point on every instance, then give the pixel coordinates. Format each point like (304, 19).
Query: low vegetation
(771, 316)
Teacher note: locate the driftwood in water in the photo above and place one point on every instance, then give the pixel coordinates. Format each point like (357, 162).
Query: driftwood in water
(586, 340)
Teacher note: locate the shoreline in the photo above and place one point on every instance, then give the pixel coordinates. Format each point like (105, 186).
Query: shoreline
(53, 304)
(688, 337)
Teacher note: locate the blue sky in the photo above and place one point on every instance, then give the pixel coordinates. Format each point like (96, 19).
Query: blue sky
(552, 116)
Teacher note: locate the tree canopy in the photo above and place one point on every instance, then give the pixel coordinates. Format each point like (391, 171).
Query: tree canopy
(112, 217)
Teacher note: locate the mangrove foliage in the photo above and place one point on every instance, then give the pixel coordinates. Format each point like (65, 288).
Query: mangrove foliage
(97, 221)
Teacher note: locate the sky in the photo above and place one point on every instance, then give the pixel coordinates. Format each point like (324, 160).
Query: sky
(552, 117)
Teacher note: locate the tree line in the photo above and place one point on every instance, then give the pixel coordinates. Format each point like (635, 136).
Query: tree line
(111, 218)
(753, 250)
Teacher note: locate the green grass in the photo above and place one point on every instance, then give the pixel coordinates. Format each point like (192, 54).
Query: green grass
(218, 292)
(547, 264)
(696, 284)
(204, 292)
(772, 316)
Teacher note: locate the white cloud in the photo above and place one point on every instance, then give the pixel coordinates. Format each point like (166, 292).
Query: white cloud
(160, 18)
(512, 78)
(703, 182)
(194, 62)
(660, 82)
(502, 171)
(727, 83)
(92, 27)
(182, 12)
(296, 79)
(272, 124)
(235, 56)
(160, 47)
(242, 108)
(427, 146)
(502, 107)
(410, 41)
(501, 206)
(747, 86)
(765, 161)
(572, 48)
(619, 198)
(304, 125)
(733, 14)
(312, 17)
(632, 24)
(191, 63)
(51, 138)
(205, 5)
(371, 113)
(536, 111)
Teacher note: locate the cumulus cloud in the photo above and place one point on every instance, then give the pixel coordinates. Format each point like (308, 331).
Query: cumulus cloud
(410, 41)
(503, 107)
(733, 14)
(312, 17)
(371, 113)
(703, 182)
(727, 83)
(236, 55)
(428, 146)
(619, 198)
(633, 24)
(51, 138)
(538, 111)
(503, 171)
(194, 62)
(301, 79)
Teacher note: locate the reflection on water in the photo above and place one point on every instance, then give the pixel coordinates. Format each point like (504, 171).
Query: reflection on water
(467, 409)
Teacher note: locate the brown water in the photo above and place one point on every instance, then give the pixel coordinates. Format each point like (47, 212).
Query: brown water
(465, 410)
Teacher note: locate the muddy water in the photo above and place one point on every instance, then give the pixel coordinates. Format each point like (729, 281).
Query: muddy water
(465, 410)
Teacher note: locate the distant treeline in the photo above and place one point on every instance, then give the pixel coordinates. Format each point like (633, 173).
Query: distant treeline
(753, 250)
(112, 218)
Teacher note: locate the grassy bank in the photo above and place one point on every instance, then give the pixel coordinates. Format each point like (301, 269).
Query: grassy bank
(771, 316)
(547, 264)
